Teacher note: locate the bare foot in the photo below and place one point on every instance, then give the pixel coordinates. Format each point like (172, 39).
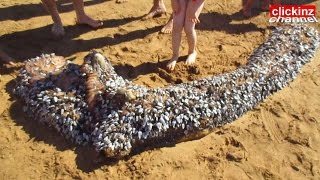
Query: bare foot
(89, 21)
(167, 29)
(172, 63)
(10, 64)
(191, 59)
(57, 30)
(8, 61)
(156, 10)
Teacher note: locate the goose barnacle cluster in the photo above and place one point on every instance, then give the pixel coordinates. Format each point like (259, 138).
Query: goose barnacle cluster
(117, 116)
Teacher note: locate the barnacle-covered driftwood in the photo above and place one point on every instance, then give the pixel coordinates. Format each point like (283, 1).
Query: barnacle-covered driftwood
(99, 107)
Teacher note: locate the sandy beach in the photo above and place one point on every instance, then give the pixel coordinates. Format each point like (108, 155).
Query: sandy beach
(279, 139)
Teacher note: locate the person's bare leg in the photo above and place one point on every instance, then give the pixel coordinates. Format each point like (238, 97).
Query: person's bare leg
(194, 9)
(167, 29)
(6, 58)
(247, 8)
(157, 9)
(82, 17)
(277, 2)
(51, 6)
(265, 5)
(179, 12)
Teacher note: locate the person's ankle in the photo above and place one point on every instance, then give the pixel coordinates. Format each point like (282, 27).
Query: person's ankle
(58, 30)
(58, 23)
(82, 17)
(175, 57)
(192, 52)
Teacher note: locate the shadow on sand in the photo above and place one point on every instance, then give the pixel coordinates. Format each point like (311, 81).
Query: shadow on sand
(214, 21)
(222, 22)
(27, 11)
(34, 42)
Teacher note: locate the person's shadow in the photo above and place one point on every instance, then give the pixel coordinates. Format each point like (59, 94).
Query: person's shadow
(214, 21)
(34, 42)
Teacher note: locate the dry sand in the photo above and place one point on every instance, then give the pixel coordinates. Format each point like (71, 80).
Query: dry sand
(280, 139)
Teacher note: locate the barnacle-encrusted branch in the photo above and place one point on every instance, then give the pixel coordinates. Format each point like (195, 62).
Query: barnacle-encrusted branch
(118, 116)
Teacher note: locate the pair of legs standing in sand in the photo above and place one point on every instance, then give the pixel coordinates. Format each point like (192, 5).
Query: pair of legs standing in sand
(82, 17)
(185, 17)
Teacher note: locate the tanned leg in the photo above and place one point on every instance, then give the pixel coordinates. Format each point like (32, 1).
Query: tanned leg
(7, 59)
(51, 7)
(277, 2)
(194, 9)
(179, 12)
(247, 8)
(265, 5)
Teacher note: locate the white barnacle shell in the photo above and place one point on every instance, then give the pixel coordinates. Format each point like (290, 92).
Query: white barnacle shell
(139, 134)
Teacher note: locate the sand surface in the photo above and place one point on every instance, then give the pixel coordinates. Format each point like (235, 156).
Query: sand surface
(280, 139)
